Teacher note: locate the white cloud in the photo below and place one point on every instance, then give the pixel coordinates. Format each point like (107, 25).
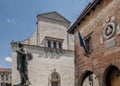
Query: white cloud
(8, 59)
(8, 20)
(11, 21)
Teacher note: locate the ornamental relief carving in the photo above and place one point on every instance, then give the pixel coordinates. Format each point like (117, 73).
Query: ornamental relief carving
(111, 29)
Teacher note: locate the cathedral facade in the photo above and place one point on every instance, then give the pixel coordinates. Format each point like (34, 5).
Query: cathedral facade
(97, 53)
(52, 51)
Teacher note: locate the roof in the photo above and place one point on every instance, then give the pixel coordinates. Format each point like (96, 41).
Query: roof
(86, 11)
(5, 70)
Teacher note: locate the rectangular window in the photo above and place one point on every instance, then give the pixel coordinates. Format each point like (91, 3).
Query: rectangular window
(49, 44)
(88, 44)
(60, 45)
(54, 44)
(2, 77)
(6, 77)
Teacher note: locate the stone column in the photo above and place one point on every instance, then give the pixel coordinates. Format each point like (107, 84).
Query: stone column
(57, 44)
(46, 43)
(51, 44)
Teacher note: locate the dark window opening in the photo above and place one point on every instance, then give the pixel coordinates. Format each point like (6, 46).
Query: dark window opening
(6, 77)
(60, 45)
(88, 44)
(2, 77)
(49, 44)
(54, 44)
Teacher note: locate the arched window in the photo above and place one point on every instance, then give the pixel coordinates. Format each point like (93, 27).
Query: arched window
(54, 79)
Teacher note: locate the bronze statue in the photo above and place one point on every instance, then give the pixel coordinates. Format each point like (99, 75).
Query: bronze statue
(22, 65)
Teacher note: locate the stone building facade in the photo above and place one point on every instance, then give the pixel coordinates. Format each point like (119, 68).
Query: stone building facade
(53, 53)
(5, 77)
(99, 25)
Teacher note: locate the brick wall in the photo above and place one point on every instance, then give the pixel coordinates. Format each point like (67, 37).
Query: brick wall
(101, 57)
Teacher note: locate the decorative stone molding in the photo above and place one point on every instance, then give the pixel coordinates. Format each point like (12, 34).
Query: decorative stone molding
(110, 28)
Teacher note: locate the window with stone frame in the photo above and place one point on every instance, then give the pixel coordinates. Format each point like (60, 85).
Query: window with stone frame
(49, 44)
(7, 77)
(55, 43)
(88, 43)
(60, 45)
(55, 79)
(2, 76)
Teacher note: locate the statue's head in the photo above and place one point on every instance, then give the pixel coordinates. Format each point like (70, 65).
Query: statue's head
(20, 45)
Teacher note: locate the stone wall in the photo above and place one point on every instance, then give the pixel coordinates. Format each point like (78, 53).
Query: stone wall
(51, 25)
(43, 64)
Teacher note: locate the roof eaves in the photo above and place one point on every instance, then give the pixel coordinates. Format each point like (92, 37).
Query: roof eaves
(86, 11)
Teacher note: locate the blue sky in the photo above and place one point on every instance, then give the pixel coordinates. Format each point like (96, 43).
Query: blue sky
(18, 20)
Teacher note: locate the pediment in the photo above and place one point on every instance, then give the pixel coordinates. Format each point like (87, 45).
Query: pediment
(54, 16)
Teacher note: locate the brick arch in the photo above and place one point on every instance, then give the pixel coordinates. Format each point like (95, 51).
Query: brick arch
(83, 76)
(106, 74)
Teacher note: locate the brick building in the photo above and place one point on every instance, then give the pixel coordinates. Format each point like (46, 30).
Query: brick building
(99, 25)
(53, 53)
(5, 77)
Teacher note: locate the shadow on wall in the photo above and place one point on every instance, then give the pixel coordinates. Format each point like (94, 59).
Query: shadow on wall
(50, 55)
(55, 55)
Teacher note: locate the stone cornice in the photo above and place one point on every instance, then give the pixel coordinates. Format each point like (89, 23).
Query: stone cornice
(35, 47)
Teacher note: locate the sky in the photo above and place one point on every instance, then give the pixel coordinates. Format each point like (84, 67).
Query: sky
(18, 20)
